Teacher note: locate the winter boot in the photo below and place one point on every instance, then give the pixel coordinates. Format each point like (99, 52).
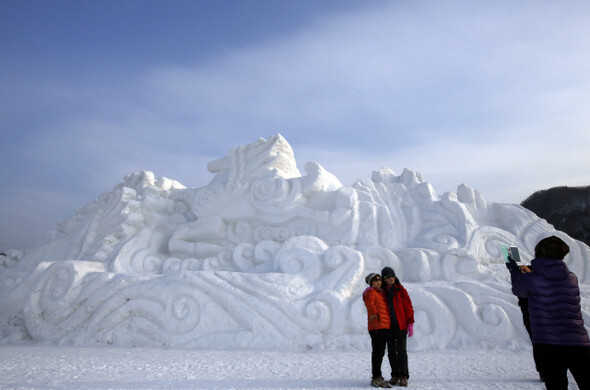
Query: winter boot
(379, 382)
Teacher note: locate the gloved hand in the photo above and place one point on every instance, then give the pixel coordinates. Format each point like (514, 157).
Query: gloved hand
(511, 265)
(410, 330)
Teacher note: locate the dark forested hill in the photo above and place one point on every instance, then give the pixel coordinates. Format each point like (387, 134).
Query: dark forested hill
(566, 208)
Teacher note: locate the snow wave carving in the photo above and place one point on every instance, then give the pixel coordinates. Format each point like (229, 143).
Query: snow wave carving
(76, 301)
(437, 323)
(263, 257)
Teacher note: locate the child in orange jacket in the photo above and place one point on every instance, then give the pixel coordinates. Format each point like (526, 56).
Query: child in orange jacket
(379, 323)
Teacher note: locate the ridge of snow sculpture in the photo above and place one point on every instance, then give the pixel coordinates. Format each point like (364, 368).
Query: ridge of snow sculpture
(263, 257)
(257, 195)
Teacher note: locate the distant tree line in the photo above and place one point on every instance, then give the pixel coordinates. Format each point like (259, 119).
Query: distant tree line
(566, 208)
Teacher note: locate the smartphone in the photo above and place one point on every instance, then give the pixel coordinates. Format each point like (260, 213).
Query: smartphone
(514, 253)
(510, 251)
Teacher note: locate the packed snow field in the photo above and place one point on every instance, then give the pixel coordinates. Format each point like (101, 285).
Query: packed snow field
(47, 367)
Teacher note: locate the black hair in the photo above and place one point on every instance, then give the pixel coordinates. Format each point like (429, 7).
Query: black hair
(552, 248)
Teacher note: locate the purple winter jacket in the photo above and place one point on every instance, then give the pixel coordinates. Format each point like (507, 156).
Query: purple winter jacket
(554, 303)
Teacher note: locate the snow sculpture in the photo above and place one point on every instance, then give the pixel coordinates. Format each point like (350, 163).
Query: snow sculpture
(264, 257)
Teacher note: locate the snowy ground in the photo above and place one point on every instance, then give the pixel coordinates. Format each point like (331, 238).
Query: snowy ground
(49, 367)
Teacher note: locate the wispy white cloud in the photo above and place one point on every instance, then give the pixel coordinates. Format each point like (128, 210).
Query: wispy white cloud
(493, 94)
(477, 90)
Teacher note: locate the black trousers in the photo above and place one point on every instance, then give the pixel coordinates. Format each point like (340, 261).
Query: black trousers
(555, 360)
(378, 343)
(524, 308)
(397, 353)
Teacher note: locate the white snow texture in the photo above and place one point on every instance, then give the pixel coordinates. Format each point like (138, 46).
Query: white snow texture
(263, 257)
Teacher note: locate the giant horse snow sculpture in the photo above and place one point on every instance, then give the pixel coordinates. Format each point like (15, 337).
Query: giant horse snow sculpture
(263, 257)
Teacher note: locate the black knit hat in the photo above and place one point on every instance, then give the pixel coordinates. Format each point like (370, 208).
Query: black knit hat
(387, 271)
(552, 248)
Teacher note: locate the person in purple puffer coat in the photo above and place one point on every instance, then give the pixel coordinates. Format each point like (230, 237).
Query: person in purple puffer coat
(559, 337)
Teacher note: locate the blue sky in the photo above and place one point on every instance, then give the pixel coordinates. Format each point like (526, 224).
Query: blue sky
(491, 94)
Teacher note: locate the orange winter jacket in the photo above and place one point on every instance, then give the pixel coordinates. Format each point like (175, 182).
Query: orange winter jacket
(376, 305)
